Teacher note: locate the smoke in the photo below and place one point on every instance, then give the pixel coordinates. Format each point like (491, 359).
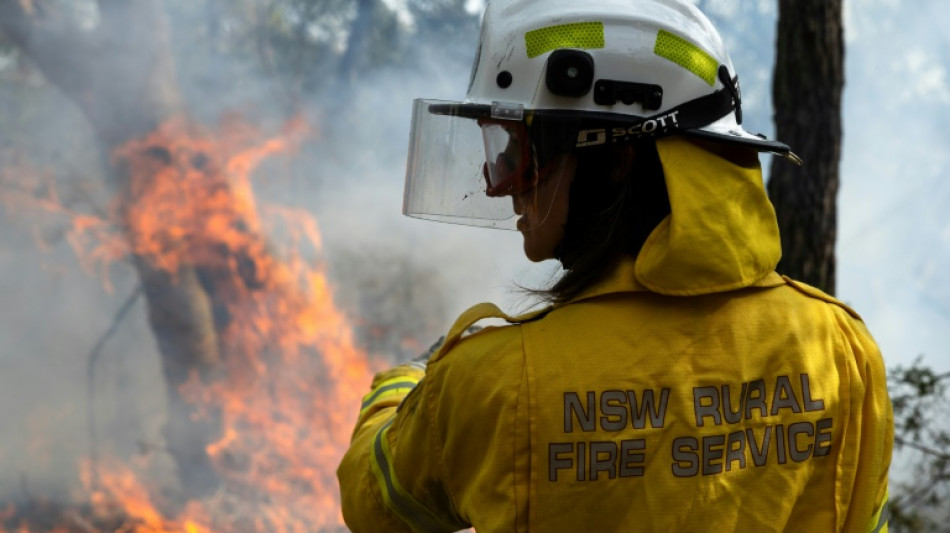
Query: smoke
(402, 281)
(52, 311)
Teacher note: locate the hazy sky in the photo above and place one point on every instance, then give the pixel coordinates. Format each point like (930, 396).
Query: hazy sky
(895, 223)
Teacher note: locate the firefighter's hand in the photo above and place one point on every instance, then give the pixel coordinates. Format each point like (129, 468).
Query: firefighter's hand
(388, 389)
(422, 359)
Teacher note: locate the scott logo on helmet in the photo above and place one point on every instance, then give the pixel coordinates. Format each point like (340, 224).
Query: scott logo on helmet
(653, 126)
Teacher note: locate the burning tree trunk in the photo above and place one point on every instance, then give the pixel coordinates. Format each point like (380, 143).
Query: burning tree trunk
(261, 371)
(121, 75)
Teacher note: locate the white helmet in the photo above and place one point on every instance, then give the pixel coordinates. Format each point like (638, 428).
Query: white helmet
(553, 76)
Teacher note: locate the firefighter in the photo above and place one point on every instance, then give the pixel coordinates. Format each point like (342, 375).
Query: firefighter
(675, 382)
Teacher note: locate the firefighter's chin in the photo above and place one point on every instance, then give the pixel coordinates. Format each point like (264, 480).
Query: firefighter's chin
(541, 240)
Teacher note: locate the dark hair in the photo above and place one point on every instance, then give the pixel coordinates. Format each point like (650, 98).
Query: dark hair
(608, 218)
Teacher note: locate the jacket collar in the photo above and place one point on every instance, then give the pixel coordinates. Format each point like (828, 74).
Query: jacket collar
(622, 279)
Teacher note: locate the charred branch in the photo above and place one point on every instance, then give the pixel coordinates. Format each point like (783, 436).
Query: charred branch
(91, 383)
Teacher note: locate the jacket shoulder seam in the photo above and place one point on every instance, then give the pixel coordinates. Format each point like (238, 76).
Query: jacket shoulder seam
(463, 326)
(818, 294)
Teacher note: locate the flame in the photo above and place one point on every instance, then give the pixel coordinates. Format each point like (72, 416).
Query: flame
(289, 380)
(135, 507)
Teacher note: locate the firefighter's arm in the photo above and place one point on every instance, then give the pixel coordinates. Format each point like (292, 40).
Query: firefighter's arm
(880, 432)
(878, 404)
(390, 477)
(388, 389)
(871, 403)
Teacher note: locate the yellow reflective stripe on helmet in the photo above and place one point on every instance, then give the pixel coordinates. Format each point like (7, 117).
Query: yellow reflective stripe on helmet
(878, 523)
(686, 55)
(387, 389)
(400, 502)
(576, 35)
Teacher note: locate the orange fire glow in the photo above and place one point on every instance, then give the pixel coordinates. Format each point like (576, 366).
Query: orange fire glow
(287, 385)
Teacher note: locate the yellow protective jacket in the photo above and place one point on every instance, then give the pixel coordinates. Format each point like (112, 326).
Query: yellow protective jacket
(693, 390)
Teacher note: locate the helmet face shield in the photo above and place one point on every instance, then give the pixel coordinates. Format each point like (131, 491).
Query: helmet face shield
(448, 176)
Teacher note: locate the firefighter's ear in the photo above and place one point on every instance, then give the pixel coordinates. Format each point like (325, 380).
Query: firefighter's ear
(623, 157)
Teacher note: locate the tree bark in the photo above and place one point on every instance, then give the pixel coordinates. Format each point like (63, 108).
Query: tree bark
(121, 75)
(807, 86)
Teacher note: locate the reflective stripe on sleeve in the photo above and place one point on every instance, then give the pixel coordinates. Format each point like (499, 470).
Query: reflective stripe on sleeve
(387, 389)
(878, 523)
(400, 502)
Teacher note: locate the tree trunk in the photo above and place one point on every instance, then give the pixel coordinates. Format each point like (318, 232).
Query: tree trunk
(809, 77)
(357, 43)
(122, 76)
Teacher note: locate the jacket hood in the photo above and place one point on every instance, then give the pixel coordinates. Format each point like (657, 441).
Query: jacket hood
(722, 233)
